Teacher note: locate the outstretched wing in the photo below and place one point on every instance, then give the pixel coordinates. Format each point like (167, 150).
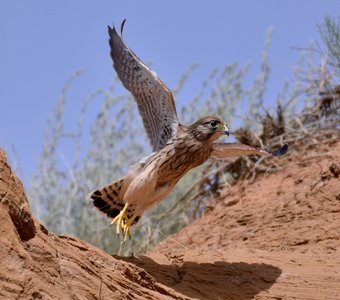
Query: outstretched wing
(224, 150)
(155, 101)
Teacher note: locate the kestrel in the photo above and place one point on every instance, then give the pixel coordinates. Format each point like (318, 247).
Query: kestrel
(177, 148)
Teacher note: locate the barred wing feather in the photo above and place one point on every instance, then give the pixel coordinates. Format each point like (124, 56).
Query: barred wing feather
(224, 150)
(155, 101)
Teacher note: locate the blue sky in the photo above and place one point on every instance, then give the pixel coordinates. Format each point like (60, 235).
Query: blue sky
(43, 42)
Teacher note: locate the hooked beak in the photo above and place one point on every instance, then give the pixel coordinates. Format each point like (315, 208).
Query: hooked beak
(224, 130)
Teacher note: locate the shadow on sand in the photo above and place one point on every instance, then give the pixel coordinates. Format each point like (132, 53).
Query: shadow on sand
(218, 280)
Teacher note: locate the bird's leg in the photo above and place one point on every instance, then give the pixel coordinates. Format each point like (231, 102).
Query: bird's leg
(120, 219)
(127, 226)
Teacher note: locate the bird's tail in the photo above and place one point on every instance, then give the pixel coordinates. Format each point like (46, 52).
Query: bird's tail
(109, 200)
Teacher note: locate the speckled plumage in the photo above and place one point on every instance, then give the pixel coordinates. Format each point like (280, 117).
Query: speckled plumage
(177, 148)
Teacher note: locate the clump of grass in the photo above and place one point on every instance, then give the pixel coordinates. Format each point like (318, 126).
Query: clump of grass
(116, 139)
(330, 35)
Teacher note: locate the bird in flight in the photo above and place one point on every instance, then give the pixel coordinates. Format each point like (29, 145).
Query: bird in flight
(177, 148)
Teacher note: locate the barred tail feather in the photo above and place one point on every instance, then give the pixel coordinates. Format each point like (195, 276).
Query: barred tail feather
(109, 200)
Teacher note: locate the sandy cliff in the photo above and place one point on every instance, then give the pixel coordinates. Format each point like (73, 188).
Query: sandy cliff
(277, 238)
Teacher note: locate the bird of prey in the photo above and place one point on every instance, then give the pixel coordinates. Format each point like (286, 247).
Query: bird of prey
(177, 148)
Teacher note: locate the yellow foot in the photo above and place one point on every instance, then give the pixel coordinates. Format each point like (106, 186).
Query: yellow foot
(120, 219)
(123, 222)
(127, 227)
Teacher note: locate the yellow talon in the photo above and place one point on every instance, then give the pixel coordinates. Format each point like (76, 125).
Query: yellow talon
(127, 227)
(123, 222)
(120, 219)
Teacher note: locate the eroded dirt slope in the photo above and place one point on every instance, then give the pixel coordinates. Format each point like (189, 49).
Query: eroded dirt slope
(36, 264)
(276, 238)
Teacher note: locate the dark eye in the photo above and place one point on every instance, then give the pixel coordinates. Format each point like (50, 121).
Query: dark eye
(213, 124)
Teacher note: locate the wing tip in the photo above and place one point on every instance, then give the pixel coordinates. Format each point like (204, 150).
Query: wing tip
(113, 35)
(122, 27)
(112, 29)
(282, 151)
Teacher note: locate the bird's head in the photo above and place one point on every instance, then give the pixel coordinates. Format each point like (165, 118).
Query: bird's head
(208, 128)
